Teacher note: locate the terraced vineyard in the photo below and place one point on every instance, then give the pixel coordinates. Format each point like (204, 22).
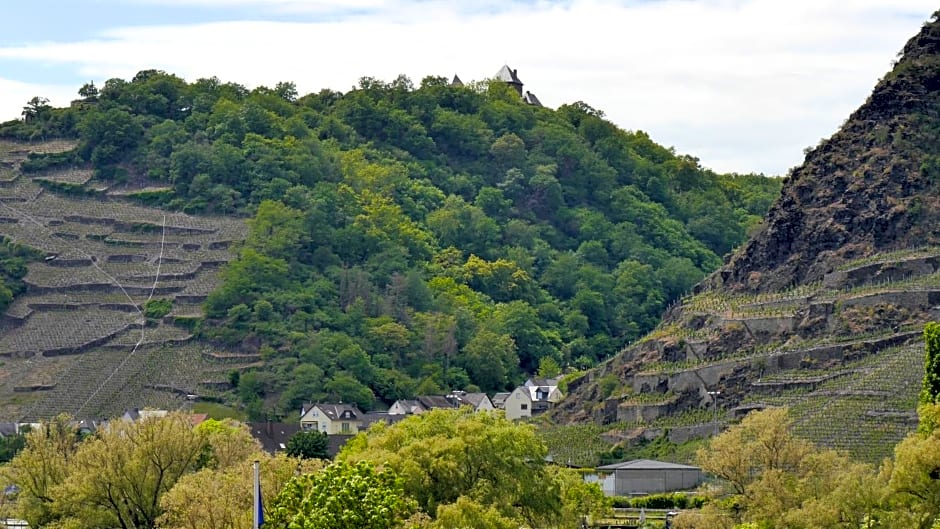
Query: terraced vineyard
(864, 407)
(77, 341)
(845, 354)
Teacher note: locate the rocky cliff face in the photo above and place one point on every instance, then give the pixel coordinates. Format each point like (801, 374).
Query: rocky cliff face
(822, 309)
(868, 189)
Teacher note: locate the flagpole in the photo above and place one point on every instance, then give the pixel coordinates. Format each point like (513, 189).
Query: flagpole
(258, 510)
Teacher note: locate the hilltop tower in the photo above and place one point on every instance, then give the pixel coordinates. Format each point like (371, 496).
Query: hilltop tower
(509, 77)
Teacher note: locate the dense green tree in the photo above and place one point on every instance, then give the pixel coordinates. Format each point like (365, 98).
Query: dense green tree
(109, 136)
(931, 385)
(126, 469)
(308, 445)
(225, 443)
(777, 480)
(88, 91)
(345, 387)
(277, 231)
(445, 455)
(6, 295)
(41, 467)
(214, 498)
(490, 359)
(478, 470)
(10, 445)
(342, 496)
(36, 109)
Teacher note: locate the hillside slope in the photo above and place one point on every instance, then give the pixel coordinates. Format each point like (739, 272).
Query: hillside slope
(86, 337)
(399, 239)
(822, 308)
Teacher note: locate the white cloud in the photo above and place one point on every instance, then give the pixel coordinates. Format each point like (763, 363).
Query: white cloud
(744, 85)
(16, 94)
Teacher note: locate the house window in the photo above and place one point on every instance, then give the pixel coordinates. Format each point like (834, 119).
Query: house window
(525, 406)
(345, 427)
(310, 425)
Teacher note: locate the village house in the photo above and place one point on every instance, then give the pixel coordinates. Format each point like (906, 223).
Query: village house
(532, 398)
(479, 401)
(331, 419)
(406, 407)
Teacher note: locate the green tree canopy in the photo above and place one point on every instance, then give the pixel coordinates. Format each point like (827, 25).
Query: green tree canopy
(931, 387)
(451, 459)
(342, 496)
(308, 445)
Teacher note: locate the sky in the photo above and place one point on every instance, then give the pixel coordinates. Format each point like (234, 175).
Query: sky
(742, 85)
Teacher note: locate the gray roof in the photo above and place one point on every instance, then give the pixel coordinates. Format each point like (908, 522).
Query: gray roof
(647, 464)
(508, 75)
(371, 417)
(334, 443)
(541, 381)
(539, 393)
(273, 436)
(340, 411)
(499, 399)
(473, 399)
(410, 406)
(88, 425)
(456, 81)
(531, 99)
(436, 401)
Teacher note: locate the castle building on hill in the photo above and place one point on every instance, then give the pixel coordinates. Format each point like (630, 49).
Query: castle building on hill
(510, 77)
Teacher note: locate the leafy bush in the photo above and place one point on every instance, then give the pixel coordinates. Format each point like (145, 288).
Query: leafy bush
(36, 162)
(158, 308)
(607, 384)
(670, 500)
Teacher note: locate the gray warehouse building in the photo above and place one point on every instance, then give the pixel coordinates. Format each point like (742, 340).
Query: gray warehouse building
(645, 476)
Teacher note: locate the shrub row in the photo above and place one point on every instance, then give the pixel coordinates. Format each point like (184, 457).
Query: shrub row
(672, 500)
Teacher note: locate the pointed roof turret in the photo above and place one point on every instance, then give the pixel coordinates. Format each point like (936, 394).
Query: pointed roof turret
(456, 81)
(510, 77)
(530, 98)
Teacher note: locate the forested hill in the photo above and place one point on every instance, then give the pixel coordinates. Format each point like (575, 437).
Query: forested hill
(409, 240)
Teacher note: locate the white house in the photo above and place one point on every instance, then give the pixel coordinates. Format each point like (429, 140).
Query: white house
(406, 407)
(526, 401)
(518, 404)
(331, 419)
(479, 401)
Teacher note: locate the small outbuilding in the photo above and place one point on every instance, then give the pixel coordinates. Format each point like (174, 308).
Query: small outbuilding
(645, 476)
